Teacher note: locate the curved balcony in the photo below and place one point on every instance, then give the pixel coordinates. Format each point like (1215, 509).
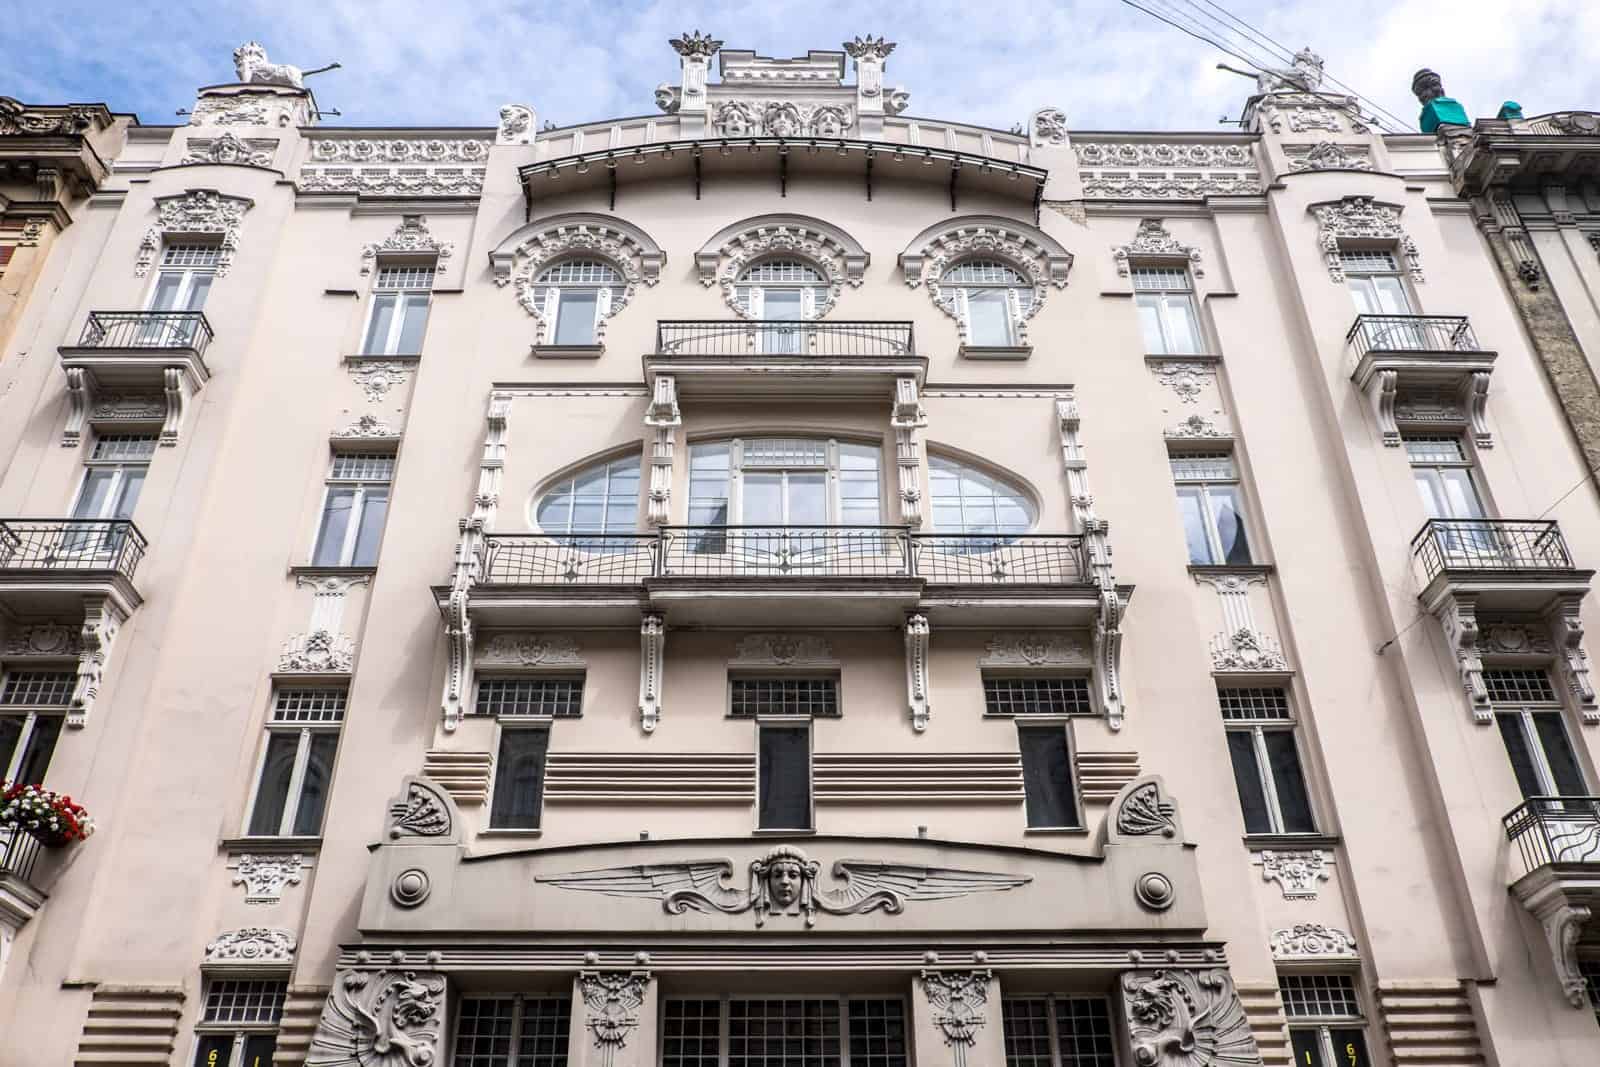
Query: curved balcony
(20, 894)
(745, 357)
(1555, 874)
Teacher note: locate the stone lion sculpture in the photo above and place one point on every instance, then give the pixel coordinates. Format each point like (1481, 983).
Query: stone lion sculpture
(250, 61)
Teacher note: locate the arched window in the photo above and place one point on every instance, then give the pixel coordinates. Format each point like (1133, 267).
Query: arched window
(990, 299)
(968, 501)
(574, 298)
(781, 291)
(603, 498)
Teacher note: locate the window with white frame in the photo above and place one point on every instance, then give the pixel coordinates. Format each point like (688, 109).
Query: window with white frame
(771, 481)
(1164, 299)
(512, 1031)
(574, 298)
(1444, 476)
(1266, 760)
(1376, 284)
(967, 500)
(990, 298)
(354, 506)
(401, 294)
(603, 498)
(1058, 1031)
(1036, 694)
(1533, 726)
(183, 281)
(1326, 1026)
(808, 697)
(1212, 506)
(739, 1031)
(238, 1024)
(113, 475)
(33, 707)
(297, 763)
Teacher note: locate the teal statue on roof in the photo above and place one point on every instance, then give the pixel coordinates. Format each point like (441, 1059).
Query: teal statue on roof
(1437, 108)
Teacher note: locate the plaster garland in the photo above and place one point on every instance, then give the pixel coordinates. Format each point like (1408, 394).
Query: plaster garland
(410, 181)
(411, 237)
(1361, 218)
(368, 427)
(198, 211)
(1197, 427)
(1152, 241)
(1312, 941)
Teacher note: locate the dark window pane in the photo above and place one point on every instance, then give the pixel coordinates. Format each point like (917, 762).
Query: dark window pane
(1083, 1027)
(258, 1050)
(785, 778)
(1036, 695)
(546, 1022)
(314, 789)
(519, 779)
(1047, 776)
(483, 1031)
(1558, 753)
(1026, 1023)
(273, 792)
(1349, 1047)
(1293, 803)
(1307, 1048)
(10, 731)
(1521, 758)
(785, 696)
(213, 1050)
(1247, 776)
(41, 746)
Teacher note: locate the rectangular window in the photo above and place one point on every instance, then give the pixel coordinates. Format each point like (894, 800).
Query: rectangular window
(1052, 802)
(27, 741)
(560, 698)
(1266, 760)
(499, 1031)
(989, 317)
(1164, 299)
(297, 766)
(785, 770)
(753, 697)
(1444, 477)
(786, 1031)
(519, 778)
(1058, 1031)
(182, 283)
(1589, 969)
(1036, 694)
(113, 476)
(1326, 1027)
(399, 315)
(1373, 278)
(354, 507)
(1212, 507)
(37, 688)
(239, 1023)
(1533, 727)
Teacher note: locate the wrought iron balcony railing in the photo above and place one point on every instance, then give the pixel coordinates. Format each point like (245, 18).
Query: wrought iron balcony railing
(743, 337)
(1546, 830)
(1412, 333)
(778, 552)
(155, 330)
(19, 851)
(67, 546)
(1490, 545)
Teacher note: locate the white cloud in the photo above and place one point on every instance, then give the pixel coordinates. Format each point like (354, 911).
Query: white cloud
(1110, 67)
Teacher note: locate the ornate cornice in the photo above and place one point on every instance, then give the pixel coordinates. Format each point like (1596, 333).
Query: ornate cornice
(1361, 218)
(411, 237)
(198, 211)
(1152, 241)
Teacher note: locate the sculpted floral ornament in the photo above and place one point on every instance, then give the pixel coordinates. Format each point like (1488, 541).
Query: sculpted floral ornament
(695, 43)
(411, 238)
(251, 946)
(1145, 812)
(1187, 380)
(1152, 242)
(1033, 649)
(1305, 941)
(317, 652)
(1179, 1018)
(1144, 154)
(264, 876)
(422, 811)
(1361, 218)
(398, 150)
(611, 1001)
(368, 427)
(1246, 650)
(1048, 127)
(377, 377)
(783, 650)
(784, 882)
(381, 1019)
(1297, 872)
(1196, 427)
(959, 1002)
(199, 211)
(529, 650)
(517, 125)
(42, 639)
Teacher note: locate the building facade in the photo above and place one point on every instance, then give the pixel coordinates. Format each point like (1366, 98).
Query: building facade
(643, 593)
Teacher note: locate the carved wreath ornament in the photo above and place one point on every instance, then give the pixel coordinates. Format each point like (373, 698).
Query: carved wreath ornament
(784, 882)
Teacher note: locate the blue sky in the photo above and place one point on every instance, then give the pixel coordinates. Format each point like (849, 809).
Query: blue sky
(424, 62)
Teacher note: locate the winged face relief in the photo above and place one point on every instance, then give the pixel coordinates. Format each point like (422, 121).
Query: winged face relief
(784, 881)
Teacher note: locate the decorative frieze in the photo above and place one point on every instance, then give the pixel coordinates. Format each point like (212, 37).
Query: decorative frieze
(198, 211)
(1312, 941)
(398, 150)
(411, 237)
(917, 687)
(1163, 156)
(317, 652)
(1361, 218)
(785, 882)
(959, 1004)
(266, 875)
(1197, 428)
(1032, 253)
(1297, 872)
(227, 148)
(251, 946)
(393, 181)
(1181, 1018)
(1151, 241)
(754, 117)
(531, 649)
(1166, 170)
(783, 650)
(1327, 155)
(42, 639)
(1050, 649)
(392, 1018)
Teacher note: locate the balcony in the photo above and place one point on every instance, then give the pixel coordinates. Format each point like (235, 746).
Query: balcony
(1502, 565)
(825, 359)
(1555, 874)
(1437, 354)
(156, 353)
(51, 567)
(20, 896)
(805, 575)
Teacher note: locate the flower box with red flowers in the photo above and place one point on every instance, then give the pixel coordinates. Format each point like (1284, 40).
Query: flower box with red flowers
(51, 817)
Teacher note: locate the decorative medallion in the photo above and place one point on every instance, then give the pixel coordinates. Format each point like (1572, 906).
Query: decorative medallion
(1313, 941)
(784, 882)
(377, 377)
(1187, 380)
(251, 946)
(1146, 812)
(422, 812)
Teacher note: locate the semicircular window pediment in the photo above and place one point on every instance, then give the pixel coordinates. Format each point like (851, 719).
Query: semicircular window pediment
(990, 274)
(816, 260)
(572, 273)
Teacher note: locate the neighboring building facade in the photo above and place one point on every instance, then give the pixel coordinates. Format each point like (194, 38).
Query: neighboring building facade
(643, 593)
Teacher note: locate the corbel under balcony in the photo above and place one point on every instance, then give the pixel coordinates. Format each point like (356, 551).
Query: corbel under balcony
(133, 366)
(1436, 354)
(1556, 866)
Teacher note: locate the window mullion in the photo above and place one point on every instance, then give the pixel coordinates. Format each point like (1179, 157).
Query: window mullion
(24, 738)
(1258, 739)
(297, 778)
(518, 1003)
(352, 530)
(1053, 1030)
(1213, 535)
(1541, 760)
(723, 1042)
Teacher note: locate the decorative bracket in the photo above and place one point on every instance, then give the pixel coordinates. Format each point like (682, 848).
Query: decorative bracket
(906, 418)
(663, 416)
(458, 618)
(80, 396)
(959, 1000)
(917, 671)
(1566, 629)
(611, 1001)
(1459, 616)
(101, 620)
(652, 645)
(1097, 549)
